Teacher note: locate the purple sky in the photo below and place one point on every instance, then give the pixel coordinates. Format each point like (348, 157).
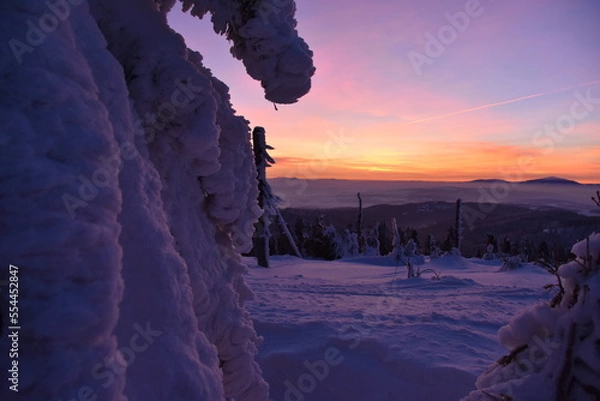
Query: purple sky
(499, 96)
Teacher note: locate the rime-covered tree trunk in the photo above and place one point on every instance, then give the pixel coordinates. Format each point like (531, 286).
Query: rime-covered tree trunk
(128, 192)
(458, 226)
(287, 233)
(262, 160)
(395, 236)
(267, 201)
(360, 227)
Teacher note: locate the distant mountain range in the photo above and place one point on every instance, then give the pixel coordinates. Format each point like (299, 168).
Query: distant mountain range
(326, 194)
(341, 181)
(545, 180)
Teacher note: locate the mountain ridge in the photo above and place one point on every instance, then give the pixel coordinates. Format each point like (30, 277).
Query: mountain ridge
(542, 180)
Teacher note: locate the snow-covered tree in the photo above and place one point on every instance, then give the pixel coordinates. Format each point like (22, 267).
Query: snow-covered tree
(511, 262)
(411, 234)
(300, 234)
(349, 248)
(410, 251)
(543, 252)
(128, 191)
(450, 240)
(360, 226)
(399, 255)
(395, 236)
(266, 198)
(436, 252)
(458, 225)
(554, 346)
(506, 247)
(385, 242)
(430, 243)
(372, 243)
(333, 242)
(323, 242)
(268, 202)
(489, 252)
(524, 249)
(492, 240)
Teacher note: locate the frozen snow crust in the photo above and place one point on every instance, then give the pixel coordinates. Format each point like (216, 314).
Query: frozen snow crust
(357, 329)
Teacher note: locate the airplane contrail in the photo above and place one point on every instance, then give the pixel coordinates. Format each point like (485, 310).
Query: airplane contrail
(487, 106)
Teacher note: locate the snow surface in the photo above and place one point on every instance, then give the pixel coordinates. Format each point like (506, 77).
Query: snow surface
(397, 338)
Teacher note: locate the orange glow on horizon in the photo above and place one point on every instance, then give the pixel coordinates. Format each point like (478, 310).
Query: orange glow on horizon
(477, 111)
(517, 164)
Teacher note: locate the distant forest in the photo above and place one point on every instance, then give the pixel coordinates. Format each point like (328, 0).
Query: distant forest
(536, 232)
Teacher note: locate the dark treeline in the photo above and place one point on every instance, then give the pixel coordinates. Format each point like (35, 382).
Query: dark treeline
(512, 230)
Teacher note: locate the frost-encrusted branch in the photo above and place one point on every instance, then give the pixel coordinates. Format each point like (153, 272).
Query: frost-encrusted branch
(597, 198)
(550, 268)
(264, 36)
(552, 343)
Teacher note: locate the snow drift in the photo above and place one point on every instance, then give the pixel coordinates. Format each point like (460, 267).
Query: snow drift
(127, 193)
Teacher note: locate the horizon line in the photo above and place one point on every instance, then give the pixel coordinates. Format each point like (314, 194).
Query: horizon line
(579, 182)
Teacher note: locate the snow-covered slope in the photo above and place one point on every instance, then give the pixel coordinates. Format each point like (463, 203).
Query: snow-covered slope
(358, 330)
(127, 193)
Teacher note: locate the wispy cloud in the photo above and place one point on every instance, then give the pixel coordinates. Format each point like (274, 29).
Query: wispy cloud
(447, 124)
(496, 104)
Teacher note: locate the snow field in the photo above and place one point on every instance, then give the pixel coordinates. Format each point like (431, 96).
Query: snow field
(359, 330)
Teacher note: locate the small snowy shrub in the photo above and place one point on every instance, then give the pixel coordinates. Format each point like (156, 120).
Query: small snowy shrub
(511, 262)
(489, 253)
(555, 346)
(436, 252)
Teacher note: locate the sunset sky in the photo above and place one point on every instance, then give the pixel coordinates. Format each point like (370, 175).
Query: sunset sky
(386, 104)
